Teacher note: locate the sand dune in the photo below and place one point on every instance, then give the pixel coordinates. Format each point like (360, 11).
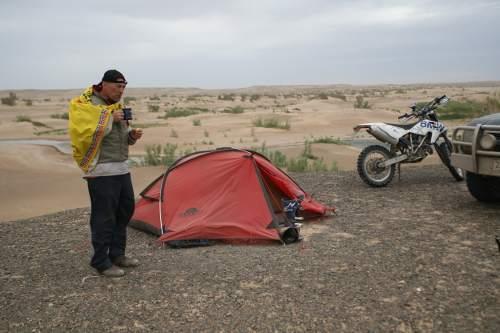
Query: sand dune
(36, 180)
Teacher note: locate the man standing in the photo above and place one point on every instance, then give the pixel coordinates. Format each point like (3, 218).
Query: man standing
(100, 136)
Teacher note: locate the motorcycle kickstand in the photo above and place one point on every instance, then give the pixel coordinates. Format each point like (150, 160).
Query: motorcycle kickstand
(399, 172)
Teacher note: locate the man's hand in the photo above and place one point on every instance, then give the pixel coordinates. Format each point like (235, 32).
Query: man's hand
(136, 133)
(117, 116)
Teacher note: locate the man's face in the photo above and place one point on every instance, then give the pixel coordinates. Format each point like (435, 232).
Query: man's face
(112, 91)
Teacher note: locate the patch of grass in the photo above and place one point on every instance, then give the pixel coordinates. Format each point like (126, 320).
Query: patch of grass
(22, 118)
(144, 125)
(10, 100)
(128, 99)
(272, 123)
(58, 131)
(235, 109)
(174, 134)
(158, 155)
(254, 97)
(300, 164)
(226, 97)
(206, 134)
(64, 115)
(329, 140)
(153, 108)
(39, 124)
(468, 109)
(182, 112)
(361, 103)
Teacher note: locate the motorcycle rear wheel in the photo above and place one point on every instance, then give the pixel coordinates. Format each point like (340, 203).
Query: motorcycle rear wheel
(369, 168)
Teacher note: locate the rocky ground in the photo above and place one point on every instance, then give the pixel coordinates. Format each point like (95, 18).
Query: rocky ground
(417, 256)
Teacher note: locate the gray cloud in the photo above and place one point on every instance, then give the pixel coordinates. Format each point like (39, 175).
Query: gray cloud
(56, 44)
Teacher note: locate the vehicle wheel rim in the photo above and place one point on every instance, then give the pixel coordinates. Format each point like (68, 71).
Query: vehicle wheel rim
(372, 168)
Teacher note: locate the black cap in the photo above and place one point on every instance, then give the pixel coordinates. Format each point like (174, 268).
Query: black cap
(115, 76)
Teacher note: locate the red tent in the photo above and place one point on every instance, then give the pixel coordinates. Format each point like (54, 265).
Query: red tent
(226, 193)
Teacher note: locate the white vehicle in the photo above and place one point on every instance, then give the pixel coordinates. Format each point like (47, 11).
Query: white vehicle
(476, 149)
(409, 143)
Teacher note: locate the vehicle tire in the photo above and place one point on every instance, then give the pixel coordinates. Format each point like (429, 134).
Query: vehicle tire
(369, 170)
(444, 152)
(483, 188)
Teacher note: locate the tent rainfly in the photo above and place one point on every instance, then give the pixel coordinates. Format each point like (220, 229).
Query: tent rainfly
(225, 193)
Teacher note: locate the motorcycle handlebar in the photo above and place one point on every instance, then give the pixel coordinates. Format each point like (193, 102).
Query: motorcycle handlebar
(426, 109)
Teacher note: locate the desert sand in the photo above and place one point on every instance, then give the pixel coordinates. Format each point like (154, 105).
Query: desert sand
(39, 179)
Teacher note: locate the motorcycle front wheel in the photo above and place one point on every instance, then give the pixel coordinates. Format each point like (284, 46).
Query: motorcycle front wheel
(444, 151)
(370, 169)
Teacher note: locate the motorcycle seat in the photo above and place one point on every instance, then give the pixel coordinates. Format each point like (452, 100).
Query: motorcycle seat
(404, 126)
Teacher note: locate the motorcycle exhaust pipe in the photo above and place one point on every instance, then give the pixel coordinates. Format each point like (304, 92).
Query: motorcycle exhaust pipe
(382, 135)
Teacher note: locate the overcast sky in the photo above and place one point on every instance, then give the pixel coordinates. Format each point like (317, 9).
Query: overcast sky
(240, 43)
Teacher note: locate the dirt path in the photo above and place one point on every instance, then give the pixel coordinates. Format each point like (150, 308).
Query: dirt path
(417, 256)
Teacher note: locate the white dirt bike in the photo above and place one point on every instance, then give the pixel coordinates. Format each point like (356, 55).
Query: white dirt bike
(409, 143)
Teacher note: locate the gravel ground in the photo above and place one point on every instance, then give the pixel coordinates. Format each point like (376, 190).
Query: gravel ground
(417, 256)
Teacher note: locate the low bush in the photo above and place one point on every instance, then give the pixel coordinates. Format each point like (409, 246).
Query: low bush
(182, 112)
(10, 100)
(153, 108)
(272, 123)
(64, 115)
(22, 118)
(329, 140)
(128, 99)
(158, 155)
(361, 103)
(236, 109)
(468, 109)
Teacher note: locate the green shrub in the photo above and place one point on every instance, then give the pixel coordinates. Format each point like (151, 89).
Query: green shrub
(300, 164)
(64, 115)
(328, 139)
(206, 134)
(236, 109)
(174, 134)
(10, 100)
(323, 95)
(360, 103)
(196, 122)
(254, 97)
(154, 98)
(158, 155)
(153, 108)
(128, 99)
(307, 152)
(22, 118)
(39, 124)
(192, 98)
(176, 112)
(338, 95)
(226, 97)
(28, 102)
(272, 123)
(461, 110)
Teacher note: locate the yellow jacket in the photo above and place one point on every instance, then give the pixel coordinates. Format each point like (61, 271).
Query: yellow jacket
(87, 125)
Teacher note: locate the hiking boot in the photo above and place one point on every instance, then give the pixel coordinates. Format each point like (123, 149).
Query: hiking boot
(124, 261)
(113, 271)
